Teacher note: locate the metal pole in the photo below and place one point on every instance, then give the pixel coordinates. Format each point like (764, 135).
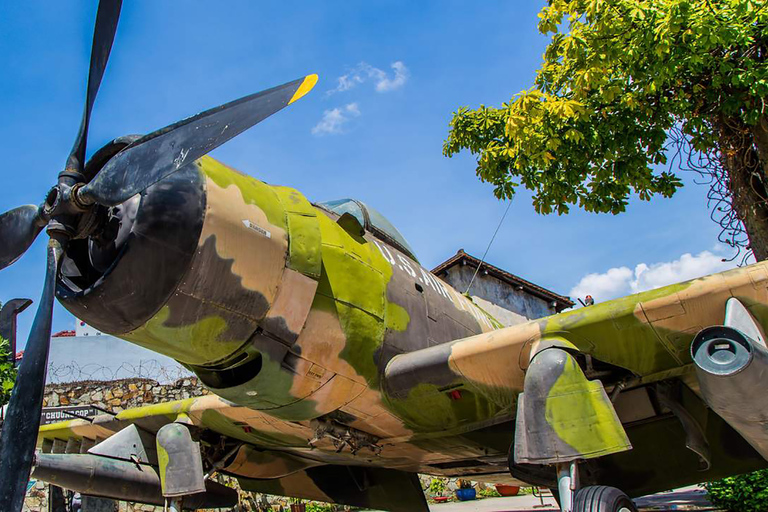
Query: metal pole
(8, 322)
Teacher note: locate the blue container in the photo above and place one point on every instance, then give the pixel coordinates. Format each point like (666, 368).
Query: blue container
(466, 494)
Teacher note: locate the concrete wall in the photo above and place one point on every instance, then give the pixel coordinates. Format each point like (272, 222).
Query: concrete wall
(508, 305)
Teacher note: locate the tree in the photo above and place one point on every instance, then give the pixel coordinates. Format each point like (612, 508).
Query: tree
(742, 493)
(629, 92)
(7, 372)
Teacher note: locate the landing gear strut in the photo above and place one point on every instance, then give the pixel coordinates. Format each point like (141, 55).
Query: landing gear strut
(173, 505)
(593, 498)
(567, 484)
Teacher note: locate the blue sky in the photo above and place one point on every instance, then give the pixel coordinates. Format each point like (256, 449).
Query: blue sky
(379, 141)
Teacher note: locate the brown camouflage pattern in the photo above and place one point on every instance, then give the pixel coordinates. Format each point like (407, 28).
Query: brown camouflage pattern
(302, 325)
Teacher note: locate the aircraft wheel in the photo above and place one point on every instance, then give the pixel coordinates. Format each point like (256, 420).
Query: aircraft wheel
(601, 498)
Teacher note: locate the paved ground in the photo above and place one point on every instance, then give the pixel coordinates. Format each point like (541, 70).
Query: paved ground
(689, 498)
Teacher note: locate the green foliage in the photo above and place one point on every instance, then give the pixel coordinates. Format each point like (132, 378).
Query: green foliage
(7, 372)
(436, 486)
(315, 506)
(743, 493)
(616, 76)
(489, 492)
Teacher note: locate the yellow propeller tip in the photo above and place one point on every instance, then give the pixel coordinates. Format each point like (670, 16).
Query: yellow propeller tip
(306, 86)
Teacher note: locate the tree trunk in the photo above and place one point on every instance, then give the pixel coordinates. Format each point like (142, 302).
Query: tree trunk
(744, 155)
(760, 136)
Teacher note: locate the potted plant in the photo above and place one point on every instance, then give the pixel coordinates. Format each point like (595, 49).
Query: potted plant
(465, 492)
(298, 505)
(436, 489)
(507, 490)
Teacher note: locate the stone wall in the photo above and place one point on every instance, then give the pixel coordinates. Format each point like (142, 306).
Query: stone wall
(118, 395)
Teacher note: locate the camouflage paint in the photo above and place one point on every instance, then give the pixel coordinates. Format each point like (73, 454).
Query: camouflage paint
(581, 414)
(361, 487)
(563, 416)
(351, 329)
(253, 463)
(163, 459)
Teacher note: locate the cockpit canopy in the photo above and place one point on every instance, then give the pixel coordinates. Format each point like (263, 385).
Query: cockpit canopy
(372, 221)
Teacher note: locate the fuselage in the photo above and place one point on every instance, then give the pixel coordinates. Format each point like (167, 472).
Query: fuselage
(276, 304)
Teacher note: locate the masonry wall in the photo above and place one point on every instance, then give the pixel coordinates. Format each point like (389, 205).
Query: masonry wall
(508, 305)
(117, 395)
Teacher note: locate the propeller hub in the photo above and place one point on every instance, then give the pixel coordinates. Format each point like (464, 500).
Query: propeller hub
(52, 202)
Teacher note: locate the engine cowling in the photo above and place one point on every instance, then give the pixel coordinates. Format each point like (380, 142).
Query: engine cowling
(200, 267)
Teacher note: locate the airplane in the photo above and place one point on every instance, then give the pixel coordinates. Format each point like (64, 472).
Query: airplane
(339, 367)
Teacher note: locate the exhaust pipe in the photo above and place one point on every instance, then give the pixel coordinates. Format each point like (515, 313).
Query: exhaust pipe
(732, 369)
(93, 475)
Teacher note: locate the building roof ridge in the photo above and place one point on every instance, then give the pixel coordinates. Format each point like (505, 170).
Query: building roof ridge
(503, 275)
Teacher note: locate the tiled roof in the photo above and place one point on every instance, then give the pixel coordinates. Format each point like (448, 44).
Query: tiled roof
(562, 301)
(64, 334)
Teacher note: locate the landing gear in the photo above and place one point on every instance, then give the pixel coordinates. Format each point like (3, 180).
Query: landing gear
(173, 505)
(594, 498)
(601, 498)
(567, 484)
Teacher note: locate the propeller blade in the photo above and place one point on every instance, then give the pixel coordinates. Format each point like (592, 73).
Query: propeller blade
(18, 229)
(163, 152)
(103, 36)
(22, 420)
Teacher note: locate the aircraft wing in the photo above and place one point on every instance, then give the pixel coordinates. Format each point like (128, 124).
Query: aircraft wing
(583, 384)
(648, 335)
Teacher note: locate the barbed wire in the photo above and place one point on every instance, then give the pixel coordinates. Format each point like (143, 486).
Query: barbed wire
(151, 369)
(709, 168)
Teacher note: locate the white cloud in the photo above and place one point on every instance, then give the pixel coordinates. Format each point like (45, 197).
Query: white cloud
(609, 285)
(385, 84)
(619, 281)
(333, 120)
(382, 81)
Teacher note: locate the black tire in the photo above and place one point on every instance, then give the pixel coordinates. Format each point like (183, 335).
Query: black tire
(601, 498)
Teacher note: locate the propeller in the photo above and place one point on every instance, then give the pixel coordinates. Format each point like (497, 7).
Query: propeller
(137, 167)
(22, 420)
(165, 151)
(103, 36)
(19, 228)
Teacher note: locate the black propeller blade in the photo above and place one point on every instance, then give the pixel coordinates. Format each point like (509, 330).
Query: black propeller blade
(18, 229)
(22, 420)
(103, 36)
(163, 152)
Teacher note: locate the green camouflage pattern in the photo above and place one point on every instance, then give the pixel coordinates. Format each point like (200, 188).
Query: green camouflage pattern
(304, 325)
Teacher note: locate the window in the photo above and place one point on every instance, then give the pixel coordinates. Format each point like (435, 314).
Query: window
(372, 221)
